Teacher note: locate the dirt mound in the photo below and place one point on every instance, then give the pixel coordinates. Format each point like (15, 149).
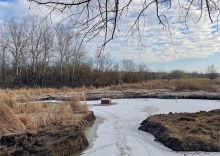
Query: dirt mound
(52, 140)
(186, 131)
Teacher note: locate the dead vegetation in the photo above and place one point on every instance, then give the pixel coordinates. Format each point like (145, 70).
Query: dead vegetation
(175, 85)
(30, 114)
(19, 112)
(186, 131)
(28, 94)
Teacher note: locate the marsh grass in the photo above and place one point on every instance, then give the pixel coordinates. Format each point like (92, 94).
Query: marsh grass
(9, 121)
(202, 132)
(78, 105)
(176, 85)
(19, 112)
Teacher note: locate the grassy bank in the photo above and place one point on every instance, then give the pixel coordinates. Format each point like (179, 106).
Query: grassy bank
(31, 127)
(186, 131)
(19, 112)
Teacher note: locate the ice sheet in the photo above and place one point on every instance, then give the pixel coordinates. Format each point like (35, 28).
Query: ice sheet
(118, 135)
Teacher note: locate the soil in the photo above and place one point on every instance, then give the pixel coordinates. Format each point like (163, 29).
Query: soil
(52, 140)
(133, 93)
(186, 131)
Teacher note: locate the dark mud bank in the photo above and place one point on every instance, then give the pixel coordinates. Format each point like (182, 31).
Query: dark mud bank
(54, 140)
(186, 131)
(155, 93)
(134, 93)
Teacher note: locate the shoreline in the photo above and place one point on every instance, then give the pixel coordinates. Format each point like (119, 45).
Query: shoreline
(186, 131)
(132, 93)
(51, 140)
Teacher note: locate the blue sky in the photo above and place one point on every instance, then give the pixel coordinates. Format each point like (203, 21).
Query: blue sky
(191, 64)
(192, 49)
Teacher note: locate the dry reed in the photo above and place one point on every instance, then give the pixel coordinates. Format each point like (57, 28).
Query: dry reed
(176, 85)
(19, 112)
(78, 105)
(9, 121)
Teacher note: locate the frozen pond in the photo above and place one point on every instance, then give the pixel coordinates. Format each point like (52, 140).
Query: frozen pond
(115, 132)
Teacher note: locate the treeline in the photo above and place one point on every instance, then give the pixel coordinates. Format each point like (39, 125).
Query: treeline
(35, 54)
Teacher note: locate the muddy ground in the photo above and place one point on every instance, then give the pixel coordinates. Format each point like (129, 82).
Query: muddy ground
(186, 131)
(51, 140)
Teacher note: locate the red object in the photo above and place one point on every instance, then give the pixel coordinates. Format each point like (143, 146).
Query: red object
(106, 101)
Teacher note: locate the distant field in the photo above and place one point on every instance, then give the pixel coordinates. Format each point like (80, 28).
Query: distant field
(176, 85)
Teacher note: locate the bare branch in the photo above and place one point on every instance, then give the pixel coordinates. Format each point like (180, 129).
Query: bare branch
(209, 13)
(59, 3)
(100, 17)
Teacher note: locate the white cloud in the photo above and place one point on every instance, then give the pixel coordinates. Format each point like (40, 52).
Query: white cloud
(196, 42)
(153, 44)
(3, 4)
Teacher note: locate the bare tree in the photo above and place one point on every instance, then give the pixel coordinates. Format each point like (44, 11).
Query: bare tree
(34, 49)
(64, 39)
(177, 74)
(128, 65)
(47, 48)
(142, 72)
(104, 17)
(212, 72)
(3, 54)
(116, 76)
(77, 61)
(103, 61)
(128, 71)
(18, 40)
(78, 54)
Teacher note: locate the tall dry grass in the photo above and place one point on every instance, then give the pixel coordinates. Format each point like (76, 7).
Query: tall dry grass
(19, 112)
(40, 91)
(9, 121)
(176, 85)
(78, 105)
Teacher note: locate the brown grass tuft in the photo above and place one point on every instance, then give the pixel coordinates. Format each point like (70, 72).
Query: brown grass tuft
(78, 105)
(9, 121)
(20, 113)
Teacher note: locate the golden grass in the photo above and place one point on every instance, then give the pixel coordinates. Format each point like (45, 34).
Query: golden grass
(23, 95)
(203, 130)
(181, 84)
(77, 106)
(20, 113)
(9, 121)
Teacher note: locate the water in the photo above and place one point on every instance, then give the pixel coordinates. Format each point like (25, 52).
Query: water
(91, 133)
(115, 132)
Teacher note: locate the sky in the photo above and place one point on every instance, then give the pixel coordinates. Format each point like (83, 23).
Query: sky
(191, 48)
